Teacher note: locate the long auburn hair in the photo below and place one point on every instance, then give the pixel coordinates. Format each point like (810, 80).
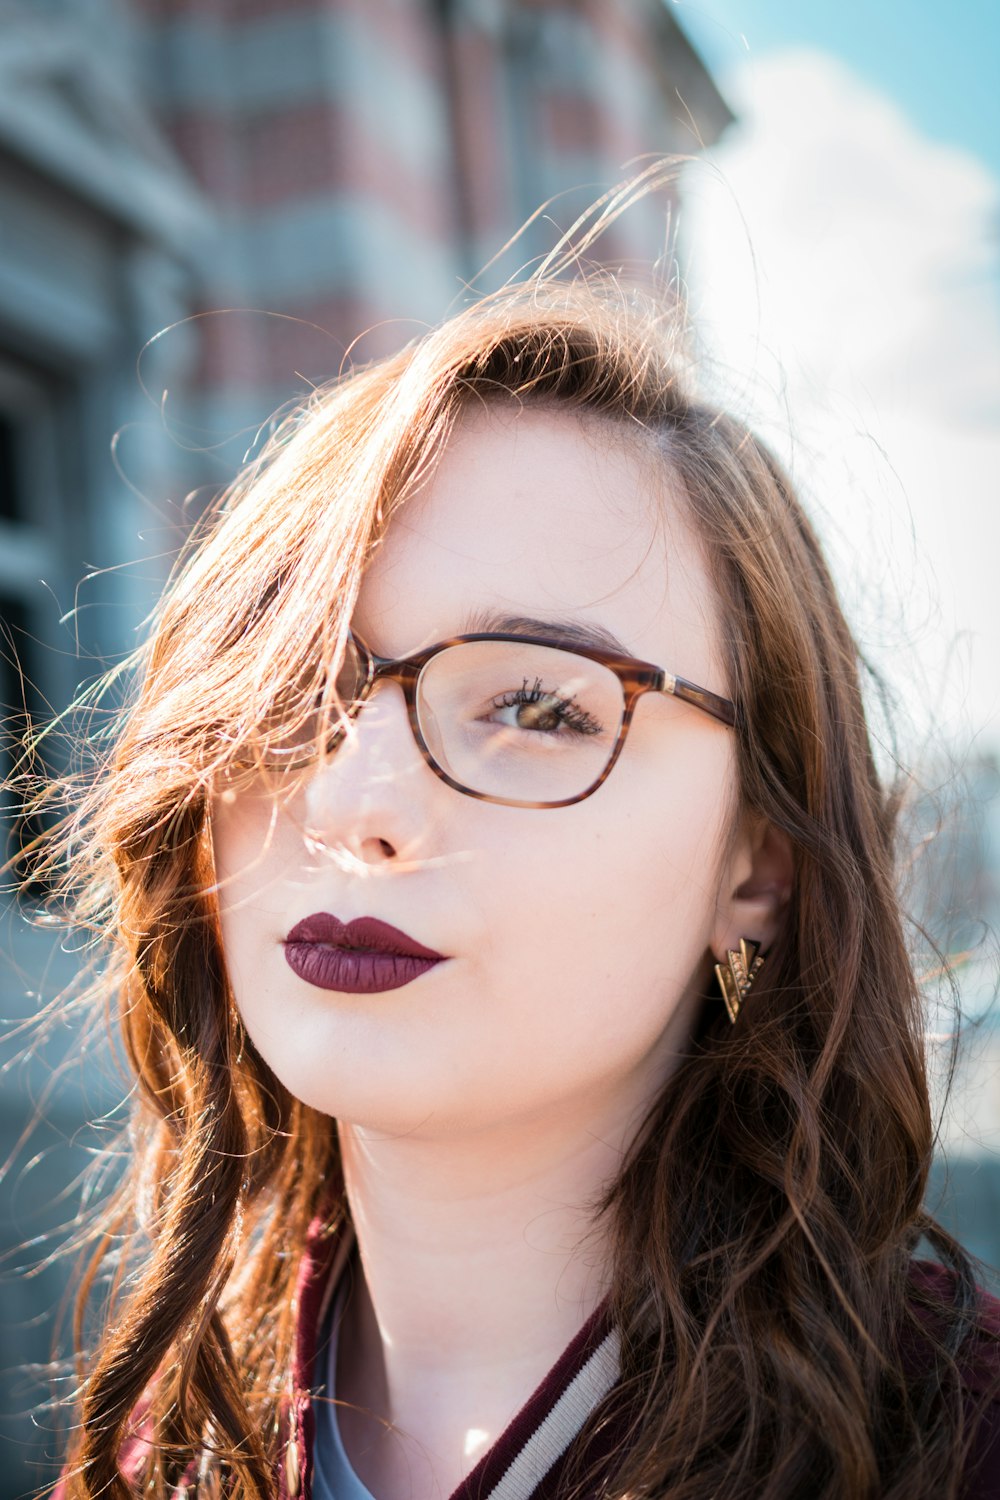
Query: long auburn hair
(765, 1217)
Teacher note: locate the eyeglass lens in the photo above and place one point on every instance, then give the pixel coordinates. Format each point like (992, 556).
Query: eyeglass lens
(528, 723)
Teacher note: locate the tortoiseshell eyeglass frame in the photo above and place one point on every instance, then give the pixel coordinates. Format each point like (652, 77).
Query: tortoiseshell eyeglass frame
(636, 677)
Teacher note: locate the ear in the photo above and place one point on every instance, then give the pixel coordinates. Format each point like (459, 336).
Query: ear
(755, 889)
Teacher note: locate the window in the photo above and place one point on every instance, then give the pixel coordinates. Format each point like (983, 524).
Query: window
(36, 666)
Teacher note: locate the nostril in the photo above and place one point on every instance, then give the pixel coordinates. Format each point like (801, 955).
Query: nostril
(386, 847)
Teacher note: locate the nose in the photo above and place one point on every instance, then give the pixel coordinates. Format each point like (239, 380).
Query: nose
(371, 796)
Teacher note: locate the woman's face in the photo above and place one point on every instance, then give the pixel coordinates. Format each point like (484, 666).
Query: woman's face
(577, 939)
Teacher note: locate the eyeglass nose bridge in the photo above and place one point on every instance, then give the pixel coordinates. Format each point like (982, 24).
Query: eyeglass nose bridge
(405, 672)
(402, 670)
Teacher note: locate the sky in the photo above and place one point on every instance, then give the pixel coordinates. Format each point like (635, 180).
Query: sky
(939, 63)
(842, 252)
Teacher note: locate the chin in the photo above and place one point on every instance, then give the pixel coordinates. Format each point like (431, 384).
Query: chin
(373, 1098)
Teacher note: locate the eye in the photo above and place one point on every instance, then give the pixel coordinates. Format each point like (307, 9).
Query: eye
(543, 711)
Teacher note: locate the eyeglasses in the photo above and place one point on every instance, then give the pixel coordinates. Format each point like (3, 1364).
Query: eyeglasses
(522, 720)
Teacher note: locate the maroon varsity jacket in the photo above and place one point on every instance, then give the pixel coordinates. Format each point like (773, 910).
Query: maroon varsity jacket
(529, 1456)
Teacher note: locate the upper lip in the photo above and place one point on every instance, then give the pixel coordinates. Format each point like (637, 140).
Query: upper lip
(363, 932)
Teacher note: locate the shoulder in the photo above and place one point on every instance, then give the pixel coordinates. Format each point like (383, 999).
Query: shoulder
(935, 1295)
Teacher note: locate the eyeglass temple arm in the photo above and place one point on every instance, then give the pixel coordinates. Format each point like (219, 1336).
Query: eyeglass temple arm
(711, 703)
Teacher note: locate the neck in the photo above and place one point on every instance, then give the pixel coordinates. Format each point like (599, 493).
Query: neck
(480, 1260)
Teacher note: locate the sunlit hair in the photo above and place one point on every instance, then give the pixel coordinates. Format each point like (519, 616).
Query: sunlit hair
(763, 1221)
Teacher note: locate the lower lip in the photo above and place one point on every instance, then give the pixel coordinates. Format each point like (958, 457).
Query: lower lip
(352, 970)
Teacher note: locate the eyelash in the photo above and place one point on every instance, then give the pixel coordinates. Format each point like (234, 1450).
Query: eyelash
(577, 719)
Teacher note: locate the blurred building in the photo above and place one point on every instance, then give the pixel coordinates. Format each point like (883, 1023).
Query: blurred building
(325, 169)
(957, 895)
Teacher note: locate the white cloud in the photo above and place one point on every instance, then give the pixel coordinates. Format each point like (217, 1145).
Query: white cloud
(844, 271)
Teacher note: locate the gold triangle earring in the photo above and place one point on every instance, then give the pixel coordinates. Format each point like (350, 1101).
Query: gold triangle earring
(737, 974)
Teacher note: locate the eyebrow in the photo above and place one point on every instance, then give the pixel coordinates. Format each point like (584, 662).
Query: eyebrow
(576, 631)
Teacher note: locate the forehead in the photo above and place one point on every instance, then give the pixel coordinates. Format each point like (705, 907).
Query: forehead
(549, 514)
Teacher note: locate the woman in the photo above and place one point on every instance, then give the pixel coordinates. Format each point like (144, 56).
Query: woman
(502, 707)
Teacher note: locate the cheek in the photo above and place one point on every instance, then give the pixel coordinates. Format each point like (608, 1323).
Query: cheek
(603, 924)
(258, 845)
(256, 862)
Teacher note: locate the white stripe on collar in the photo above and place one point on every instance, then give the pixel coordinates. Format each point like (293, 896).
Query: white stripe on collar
(553, 1436)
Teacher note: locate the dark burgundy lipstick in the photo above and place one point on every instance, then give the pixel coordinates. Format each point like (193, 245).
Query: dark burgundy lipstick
(357, 958)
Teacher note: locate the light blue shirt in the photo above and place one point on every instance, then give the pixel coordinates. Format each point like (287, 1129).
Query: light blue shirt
(333, 1478)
